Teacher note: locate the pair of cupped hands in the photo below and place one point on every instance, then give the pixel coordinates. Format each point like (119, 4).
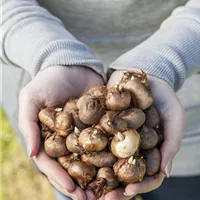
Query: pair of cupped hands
(54, 86)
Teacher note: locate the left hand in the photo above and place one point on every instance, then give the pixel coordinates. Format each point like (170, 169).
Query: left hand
(172, 114)
(51, 87)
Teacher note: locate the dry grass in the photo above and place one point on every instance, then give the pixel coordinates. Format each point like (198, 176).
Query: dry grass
(19, 180)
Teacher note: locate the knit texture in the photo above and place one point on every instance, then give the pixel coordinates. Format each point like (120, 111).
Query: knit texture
(33, 39)
(173, 52)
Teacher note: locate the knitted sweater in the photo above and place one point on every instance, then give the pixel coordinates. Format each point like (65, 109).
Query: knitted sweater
(103, 34)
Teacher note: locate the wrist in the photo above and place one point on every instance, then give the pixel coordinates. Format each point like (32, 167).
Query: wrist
(82, 76)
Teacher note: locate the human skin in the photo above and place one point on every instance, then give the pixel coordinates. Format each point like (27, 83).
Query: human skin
(53, 87)
(39, 93)
(172, 114)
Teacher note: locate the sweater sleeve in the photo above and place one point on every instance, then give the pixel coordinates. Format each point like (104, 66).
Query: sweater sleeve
(34, 39)
(173, 52)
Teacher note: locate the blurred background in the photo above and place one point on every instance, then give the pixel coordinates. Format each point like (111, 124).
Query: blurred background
(19, 180)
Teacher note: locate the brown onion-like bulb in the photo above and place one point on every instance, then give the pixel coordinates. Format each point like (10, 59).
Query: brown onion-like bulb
(54, 146)
(95, 92)
(44, 134)
(136, 84)
(72, 142)
(65, 161)
(130, 170)
(152, 117)
(153, 161)
(44, 131)
(135, 117)
(138, 75)
(72, 108)
(70, 105)
(99, 91)
(112, 123)
(160, 139)
(82, 172)
(63, 123)
(47, 117)
(105, 182)
(117, 98)
(92, 139)
(91, 109)
(100, 159)
(160, 131)
(125, 144)
(149, 138)
(56, 120)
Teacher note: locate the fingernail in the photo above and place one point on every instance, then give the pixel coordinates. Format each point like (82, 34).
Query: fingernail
(129, 194)
(29, 149)
(168, 169)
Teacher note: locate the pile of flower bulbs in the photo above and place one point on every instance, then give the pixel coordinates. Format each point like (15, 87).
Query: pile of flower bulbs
(107, 137)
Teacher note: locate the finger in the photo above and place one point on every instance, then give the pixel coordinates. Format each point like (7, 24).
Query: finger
(28, 122)
(52, 169)
(118, 194)
(76, 194)
(102, 197)
(90, 195)
(173, 133)
(173, 116)
(146, 185)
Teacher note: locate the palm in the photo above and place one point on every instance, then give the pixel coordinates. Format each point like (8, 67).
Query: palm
(52, 87)
(56, 85)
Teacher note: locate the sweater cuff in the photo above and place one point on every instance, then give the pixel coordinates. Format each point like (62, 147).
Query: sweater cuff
(171, 53)
(155, 62)
(150, 63)
(68, 53)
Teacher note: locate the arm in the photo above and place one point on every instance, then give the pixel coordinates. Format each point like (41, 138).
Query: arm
(172, 53)
(168, 57)
(33, 39)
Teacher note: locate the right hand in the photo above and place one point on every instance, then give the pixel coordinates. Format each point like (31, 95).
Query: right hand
(53, 87)
(172, 114)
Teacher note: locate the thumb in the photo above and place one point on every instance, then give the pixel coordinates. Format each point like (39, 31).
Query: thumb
(28, 122)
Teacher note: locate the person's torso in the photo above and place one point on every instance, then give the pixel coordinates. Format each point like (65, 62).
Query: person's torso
(105, 21)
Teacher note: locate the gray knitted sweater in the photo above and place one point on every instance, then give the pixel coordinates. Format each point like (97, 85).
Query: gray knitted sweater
(119, 34)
